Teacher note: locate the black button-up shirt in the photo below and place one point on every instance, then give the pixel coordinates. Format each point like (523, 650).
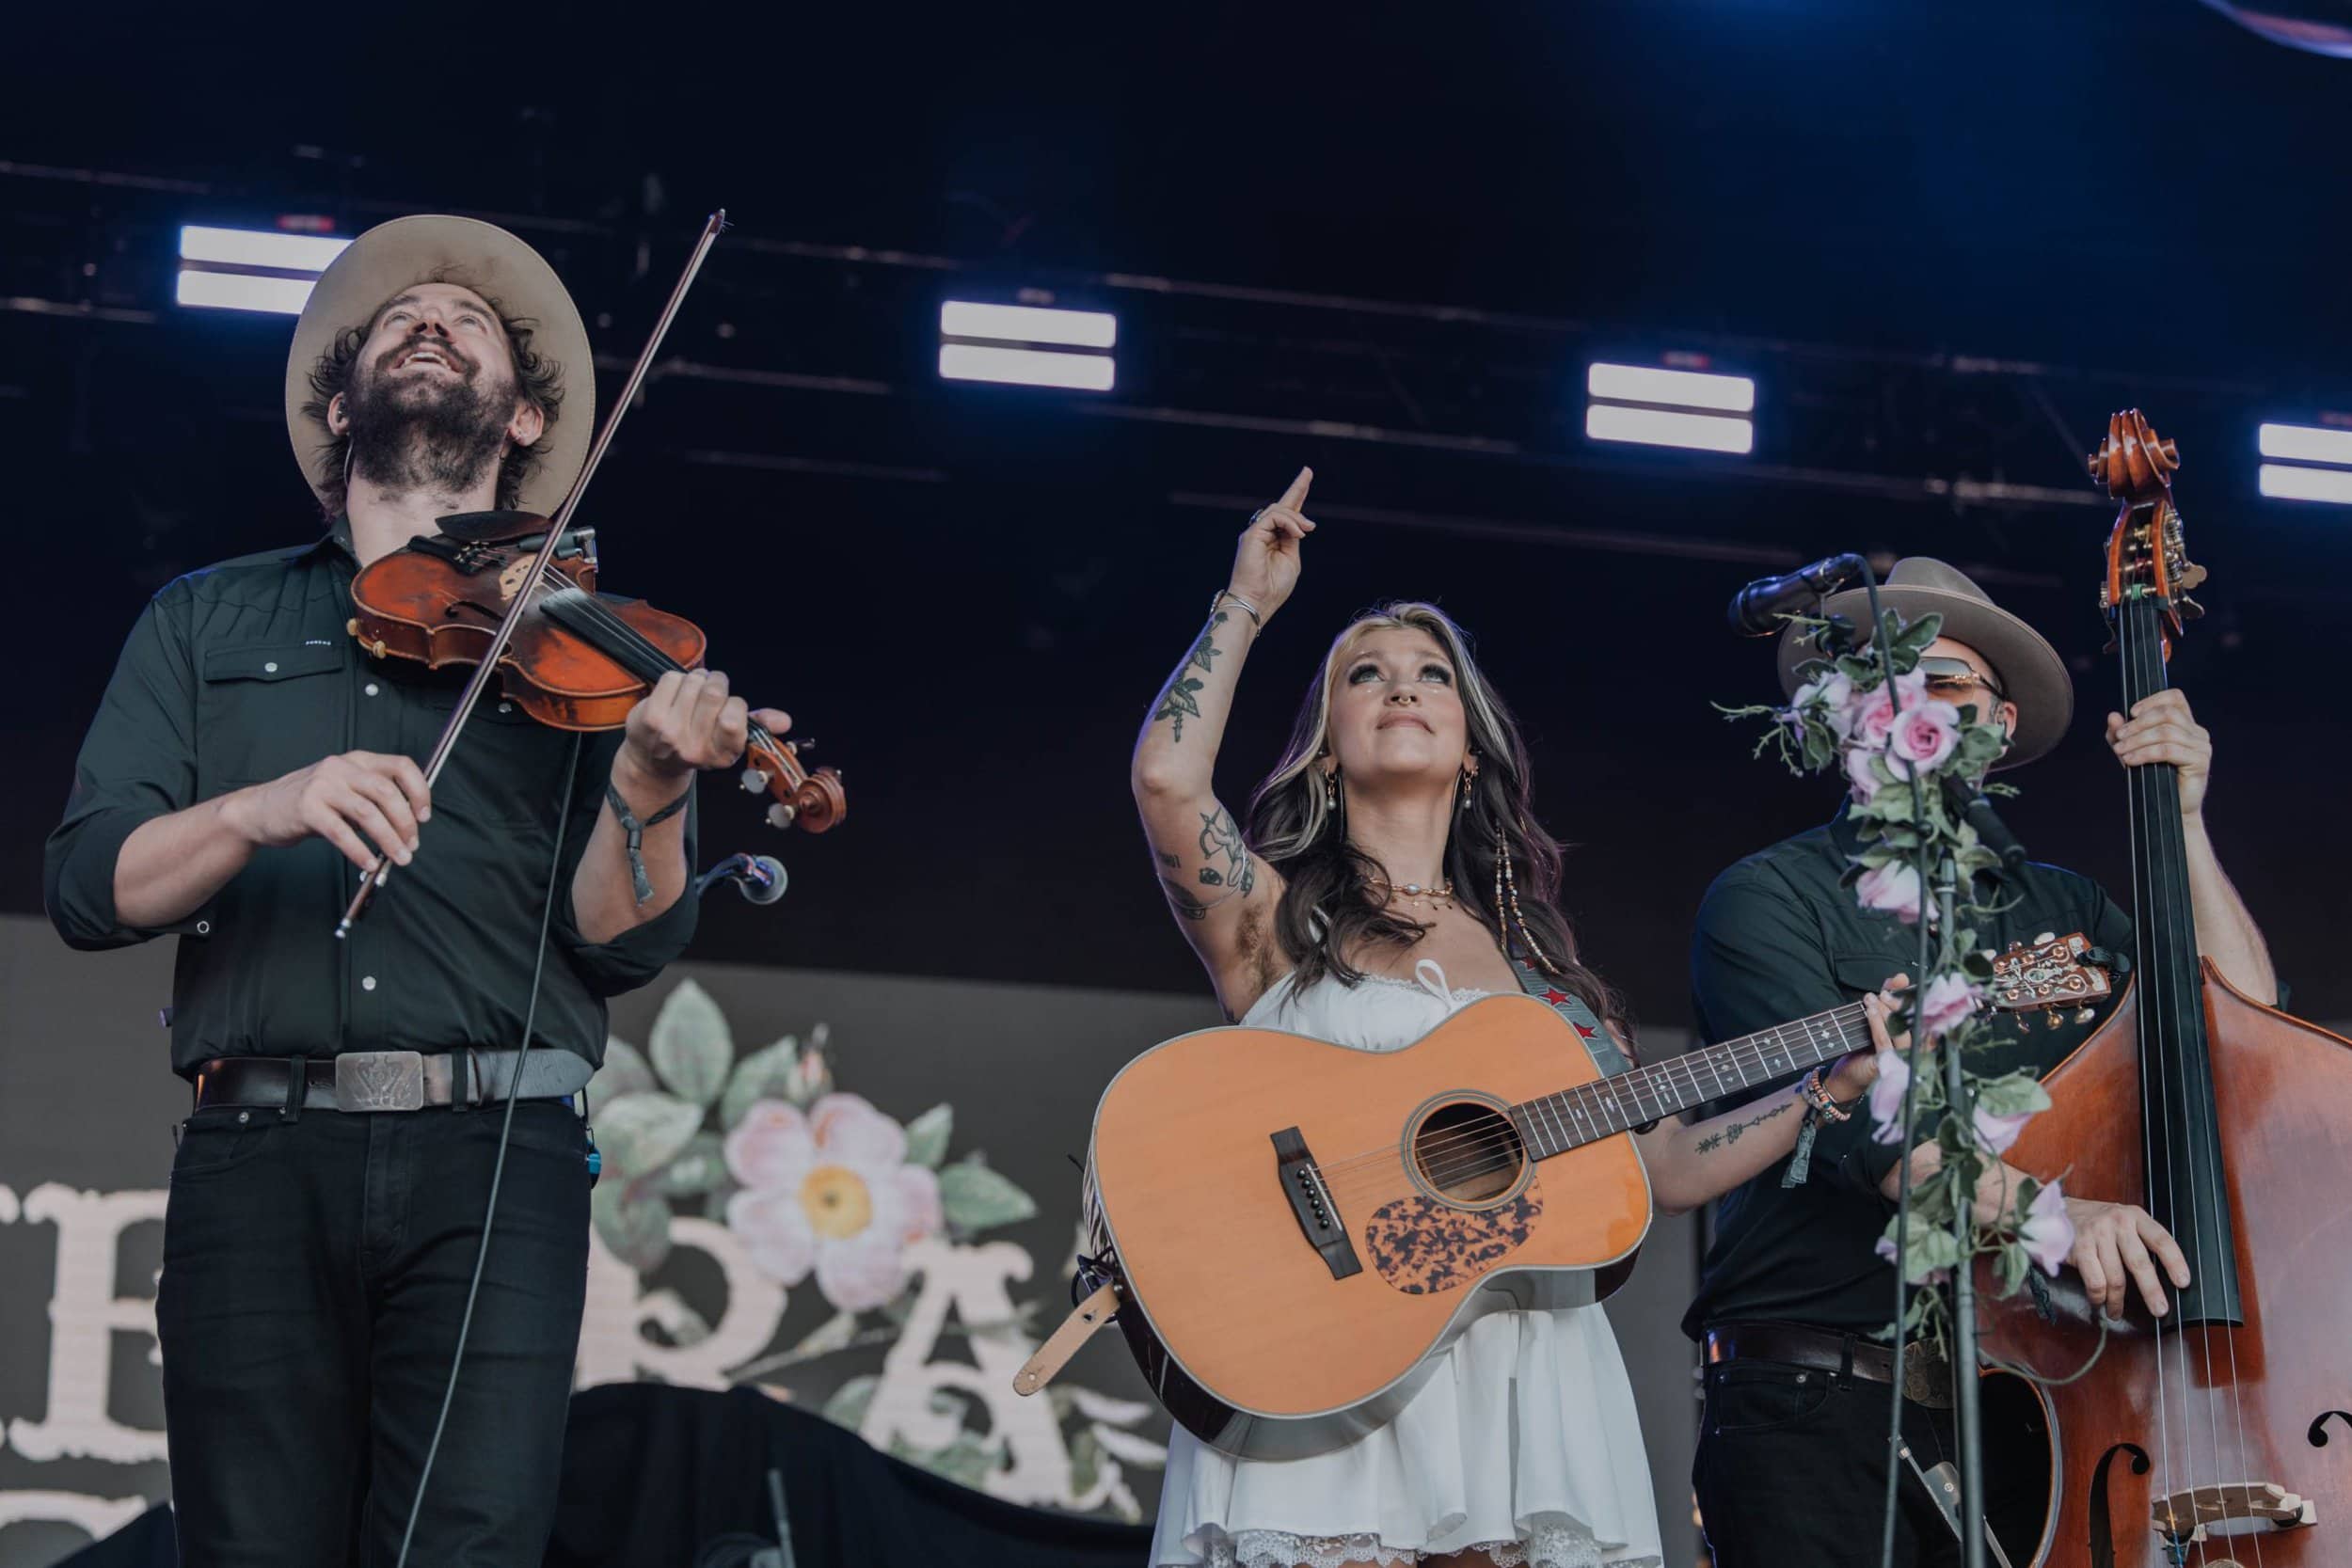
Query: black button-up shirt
(1779, 939)
(243, 672)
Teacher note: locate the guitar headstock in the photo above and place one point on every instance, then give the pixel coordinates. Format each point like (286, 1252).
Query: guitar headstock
(2045, 975)
(2145, 554)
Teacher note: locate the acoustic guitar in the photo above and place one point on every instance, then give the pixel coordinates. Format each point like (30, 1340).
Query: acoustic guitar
(1293, 1229)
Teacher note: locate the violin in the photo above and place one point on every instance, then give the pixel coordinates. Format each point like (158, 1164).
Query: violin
(2202, 1437)
(515, 594)
(576, 661)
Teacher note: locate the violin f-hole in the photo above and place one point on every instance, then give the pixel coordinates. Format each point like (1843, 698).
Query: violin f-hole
(2318, 1433)
(2101, 1541)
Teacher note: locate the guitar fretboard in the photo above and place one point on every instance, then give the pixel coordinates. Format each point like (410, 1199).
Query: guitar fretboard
(1557, 1122)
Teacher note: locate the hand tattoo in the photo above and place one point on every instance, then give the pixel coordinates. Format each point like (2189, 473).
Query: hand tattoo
(1180, 698)
(1731, 1135)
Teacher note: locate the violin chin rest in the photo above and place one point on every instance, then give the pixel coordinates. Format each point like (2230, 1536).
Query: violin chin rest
(483, 528)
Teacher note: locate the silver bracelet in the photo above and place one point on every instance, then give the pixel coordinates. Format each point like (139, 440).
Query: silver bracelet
(1217, 599)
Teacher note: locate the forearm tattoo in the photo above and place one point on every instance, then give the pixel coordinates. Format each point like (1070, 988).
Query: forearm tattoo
(1731, 1135)
(1181, 698)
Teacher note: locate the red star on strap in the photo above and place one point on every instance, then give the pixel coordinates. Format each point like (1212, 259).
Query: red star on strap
(1582, 1031)
(1556, 998)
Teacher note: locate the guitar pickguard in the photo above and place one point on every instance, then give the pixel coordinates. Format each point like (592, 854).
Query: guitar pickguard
(1421, 1246)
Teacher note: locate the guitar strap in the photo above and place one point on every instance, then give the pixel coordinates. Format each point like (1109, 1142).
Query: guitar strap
(1608, 1055)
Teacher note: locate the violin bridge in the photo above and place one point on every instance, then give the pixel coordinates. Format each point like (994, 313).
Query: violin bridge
(2184, 1515)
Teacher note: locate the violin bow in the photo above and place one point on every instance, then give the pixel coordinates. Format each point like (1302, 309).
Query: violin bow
(525, 592)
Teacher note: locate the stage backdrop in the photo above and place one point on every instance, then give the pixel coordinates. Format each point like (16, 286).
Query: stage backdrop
(897, 1289)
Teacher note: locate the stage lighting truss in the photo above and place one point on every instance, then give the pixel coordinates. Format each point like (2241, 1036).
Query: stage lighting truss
(2316, 463)
(251, 269)
(1028, 345)
(1659, 407)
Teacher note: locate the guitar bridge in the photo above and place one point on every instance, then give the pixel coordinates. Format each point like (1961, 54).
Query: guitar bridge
(1310, 1203)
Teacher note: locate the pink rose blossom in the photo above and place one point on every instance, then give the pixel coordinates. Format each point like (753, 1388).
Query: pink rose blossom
(830, 1192)
(1873, 713)
(1947, 1000)
(1886, 1097)
(1834, 694)
(1997, 1133)
(1923, 737)
(2048, 1233)
(1862, 775)
(1891, 889)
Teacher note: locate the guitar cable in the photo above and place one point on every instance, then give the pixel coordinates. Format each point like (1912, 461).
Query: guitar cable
(498, 1170)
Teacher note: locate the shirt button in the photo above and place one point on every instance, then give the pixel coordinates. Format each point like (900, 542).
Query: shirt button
(203, 927)
(506, 707)
(271, 667)
(367, 982)
(371, 688)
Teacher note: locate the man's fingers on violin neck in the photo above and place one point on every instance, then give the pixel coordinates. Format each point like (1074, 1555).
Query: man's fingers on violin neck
(665, 691)
(774, 720)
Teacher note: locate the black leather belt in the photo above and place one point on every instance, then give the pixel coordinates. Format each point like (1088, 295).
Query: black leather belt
(1926, 1376)
(389, 1080)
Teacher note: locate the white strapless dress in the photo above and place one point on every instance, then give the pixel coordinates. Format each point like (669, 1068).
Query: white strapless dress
(1524, 1443)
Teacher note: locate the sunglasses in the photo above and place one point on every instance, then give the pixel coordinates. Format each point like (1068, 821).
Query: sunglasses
(1958, 675)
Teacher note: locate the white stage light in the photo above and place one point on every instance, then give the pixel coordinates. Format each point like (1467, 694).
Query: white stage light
(259, 247)
(1666, 427)
(2302, 443)
(2285, 482)
(1028, 323)
(1734, 394)
(1026, 367)
(245, 291)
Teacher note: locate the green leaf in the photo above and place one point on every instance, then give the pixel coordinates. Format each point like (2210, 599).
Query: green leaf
(2013, 1266)
(692, 1046)
(765, 1074)
(968, 1461)
(633, 1226)
(699, 1168)
(974, 1197)
(1086, 1463)
(625, 1071)
(847, 1405)
(642, 1133)
(2015, 1094)
(928, 1134)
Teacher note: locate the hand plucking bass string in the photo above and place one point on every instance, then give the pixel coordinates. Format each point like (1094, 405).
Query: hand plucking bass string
(362, 801)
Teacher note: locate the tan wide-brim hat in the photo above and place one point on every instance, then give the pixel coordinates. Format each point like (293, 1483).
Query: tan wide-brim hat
(2030, 670)
(436, 248)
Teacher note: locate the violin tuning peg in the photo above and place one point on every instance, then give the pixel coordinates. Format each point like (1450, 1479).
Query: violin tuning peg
(755, 782)
(803, 743)
(781, 815)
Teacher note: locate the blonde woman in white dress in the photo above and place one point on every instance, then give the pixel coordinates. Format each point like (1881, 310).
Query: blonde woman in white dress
(1349, 910)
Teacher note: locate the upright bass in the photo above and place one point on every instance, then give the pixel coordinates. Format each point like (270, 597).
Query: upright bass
(2220, 1434)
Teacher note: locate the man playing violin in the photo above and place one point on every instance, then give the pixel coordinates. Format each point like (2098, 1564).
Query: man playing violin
(1792, 1465)
(247, 764)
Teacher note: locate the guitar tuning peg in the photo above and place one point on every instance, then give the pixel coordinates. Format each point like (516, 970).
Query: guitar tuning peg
(2084, 1015)
(755, 782)
(2045, 939)
(781, 815)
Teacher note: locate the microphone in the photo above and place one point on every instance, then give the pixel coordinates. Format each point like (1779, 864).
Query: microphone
(1757, 610)
(1992, 832)
(760, 878)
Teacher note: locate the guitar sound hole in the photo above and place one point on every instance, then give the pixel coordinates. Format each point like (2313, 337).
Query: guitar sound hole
(1469, 1153)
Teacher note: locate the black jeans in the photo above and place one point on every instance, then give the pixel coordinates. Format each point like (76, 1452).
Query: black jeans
(1791, 1470)
(314, 1271)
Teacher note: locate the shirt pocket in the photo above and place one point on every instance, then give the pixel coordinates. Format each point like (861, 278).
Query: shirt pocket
(265, 709)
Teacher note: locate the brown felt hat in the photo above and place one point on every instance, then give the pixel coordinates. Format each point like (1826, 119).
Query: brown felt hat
(433, 247)
(2028, 668)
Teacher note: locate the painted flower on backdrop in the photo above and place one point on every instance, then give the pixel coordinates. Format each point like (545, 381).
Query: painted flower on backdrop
(830, 1191)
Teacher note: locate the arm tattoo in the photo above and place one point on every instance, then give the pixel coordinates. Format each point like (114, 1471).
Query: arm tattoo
(1180, 698)
(1731, 1135)
(1220, 839)
(1182, 900)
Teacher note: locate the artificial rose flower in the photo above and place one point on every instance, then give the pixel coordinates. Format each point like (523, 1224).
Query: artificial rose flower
(1886, 1097)
(829, 1192)
(2048, 1233)
(1833, 693)
(1891, 889)
(1922, 738)
(1997, 1133)
(1873, 712)
(1948, 999)
(1862, 775)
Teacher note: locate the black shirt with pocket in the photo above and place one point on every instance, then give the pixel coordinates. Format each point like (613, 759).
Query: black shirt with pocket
(244, 672)
(1779, 938)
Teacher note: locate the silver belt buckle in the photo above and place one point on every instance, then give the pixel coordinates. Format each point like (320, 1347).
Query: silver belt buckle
(379, 1081)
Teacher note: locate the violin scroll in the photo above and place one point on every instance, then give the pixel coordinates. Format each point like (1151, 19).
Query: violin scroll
(812, 800)
(2147, 553)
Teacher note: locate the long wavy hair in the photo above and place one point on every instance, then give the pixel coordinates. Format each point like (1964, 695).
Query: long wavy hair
(1328, 908)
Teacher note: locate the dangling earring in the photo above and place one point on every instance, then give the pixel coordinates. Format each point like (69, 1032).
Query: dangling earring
(1467, 777)
(1331, 790)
